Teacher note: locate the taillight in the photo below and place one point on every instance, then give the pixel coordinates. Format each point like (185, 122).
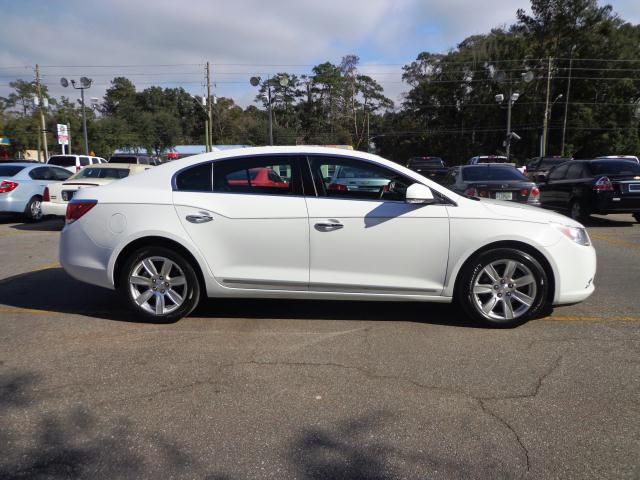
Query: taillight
(484, 193)
(45, 195)
(472, 192)
(6, 187)
(524, 192)
(77, 208)
(535, 192)
(603, 185)
(337, 187)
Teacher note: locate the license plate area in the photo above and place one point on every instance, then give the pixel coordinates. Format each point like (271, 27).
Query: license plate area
(67, 195)
(504, 195)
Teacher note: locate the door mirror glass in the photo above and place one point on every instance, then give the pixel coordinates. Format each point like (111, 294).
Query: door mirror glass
(418, 193)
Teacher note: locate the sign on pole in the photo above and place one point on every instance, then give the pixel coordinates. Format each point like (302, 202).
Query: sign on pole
(63, 134)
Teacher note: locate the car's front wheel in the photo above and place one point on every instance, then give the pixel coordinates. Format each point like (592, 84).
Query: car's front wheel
(159, 284)
(503, 287)
(578, 211)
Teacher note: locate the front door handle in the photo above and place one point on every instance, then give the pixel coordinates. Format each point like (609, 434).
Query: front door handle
(328, 226)
(202, 218)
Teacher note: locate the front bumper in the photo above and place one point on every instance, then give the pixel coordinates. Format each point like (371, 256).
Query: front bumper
(576, 270)
(52, 208)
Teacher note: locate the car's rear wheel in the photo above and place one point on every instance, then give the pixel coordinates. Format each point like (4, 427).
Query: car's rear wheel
(637, 217)
(503, 287)
(33, 210)
(578, 211)
(159, 284)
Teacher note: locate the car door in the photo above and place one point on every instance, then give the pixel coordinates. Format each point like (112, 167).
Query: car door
(567, 186)
(370, 240)
(550, 189)
(251, 235)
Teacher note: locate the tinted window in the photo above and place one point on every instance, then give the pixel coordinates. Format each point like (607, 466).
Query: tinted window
(547, 163)
(41, 173)
(195, 179)
(123, 159)
(9, 170)
(114, 173)
(84, 161)
(62, 161)
(615, 167)
(558, 173)
(575, 171)
(60, 173)
(356, 179)
(488, 173)
(264, 175)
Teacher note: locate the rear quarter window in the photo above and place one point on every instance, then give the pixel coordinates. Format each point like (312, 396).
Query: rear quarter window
(195, 179)
(10, 170)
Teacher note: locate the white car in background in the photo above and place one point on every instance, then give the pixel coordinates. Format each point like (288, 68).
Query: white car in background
(206, 226)
(74, 163)
(57, 195)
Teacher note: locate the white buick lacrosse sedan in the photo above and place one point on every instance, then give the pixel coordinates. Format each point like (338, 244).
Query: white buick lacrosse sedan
(311, 222)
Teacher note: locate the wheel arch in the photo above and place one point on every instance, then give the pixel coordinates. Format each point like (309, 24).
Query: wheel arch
(157, 241)
(525, 247)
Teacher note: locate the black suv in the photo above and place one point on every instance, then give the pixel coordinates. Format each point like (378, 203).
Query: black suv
(583, 187)
(430, 167)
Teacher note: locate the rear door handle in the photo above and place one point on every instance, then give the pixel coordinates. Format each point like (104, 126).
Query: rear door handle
(202, 218)
(329, 226)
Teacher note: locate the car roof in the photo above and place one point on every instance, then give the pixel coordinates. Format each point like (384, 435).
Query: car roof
(28, 164)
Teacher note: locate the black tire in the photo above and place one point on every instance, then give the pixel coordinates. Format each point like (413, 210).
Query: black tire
(637, 217)
(578, 211)
(190, 291)
(474, 271)
(33, 210)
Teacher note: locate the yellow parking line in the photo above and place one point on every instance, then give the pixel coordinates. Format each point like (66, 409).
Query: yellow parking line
(615, 241)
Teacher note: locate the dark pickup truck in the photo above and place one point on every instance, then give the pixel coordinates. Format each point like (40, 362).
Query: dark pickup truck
(433, 168)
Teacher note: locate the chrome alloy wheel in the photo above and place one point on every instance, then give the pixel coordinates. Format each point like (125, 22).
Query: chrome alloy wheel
(158, 285)
(504, 290)
(36, 209)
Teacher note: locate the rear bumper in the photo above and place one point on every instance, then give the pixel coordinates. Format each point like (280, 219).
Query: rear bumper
(623, 204)
(82, 258)
(10, 204)
(52, 208)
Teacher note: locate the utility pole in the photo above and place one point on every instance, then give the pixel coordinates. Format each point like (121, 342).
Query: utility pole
(270, 112)
(209, 111)
(545, 125)
(509, 103)
(42, 124)
(566, 102)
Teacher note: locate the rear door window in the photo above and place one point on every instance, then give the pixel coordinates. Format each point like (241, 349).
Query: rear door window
(265, 175)
(574, 171)
(84, 161)
(559, 172)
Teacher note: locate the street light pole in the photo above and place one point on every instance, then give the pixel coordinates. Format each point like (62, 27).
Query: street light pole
(545, 124)
(270, 112)
(84, 84)
(566, 102)
(283, 80)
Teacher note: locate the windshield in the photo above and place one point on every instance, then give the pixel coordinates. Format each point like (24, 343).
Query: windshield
(493, 160)
(62, 161)
(488, 173)
(615, 167)
(113, 173)
(354, 172)
(10, 170)
(426, 162)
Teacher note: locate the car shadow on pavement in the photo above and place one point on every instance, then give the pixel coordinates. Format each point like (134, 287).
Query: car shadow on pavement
(47, 225)
(604, 222)
(52, 290)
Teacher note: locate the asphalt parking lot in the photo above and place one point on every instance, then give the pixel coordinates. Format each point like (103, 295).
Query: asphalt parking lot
(313, 390)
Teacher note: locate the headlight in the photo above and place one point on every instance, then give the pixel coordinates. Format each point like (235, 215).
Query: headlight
(576, 234)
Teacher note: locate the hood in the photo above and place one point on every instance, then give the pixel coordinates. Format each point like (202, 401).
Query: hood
(520, 211)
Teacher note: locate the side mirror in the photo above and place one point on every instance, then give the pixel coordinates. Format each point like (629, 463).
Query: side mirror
(418, 193)
(540, 178)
